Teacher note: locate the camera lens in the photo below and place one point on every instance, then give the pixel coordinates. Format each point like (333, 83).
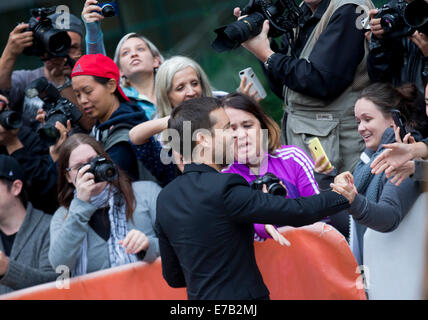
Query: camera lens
(277, 190)
(10, 120)
(108, 11)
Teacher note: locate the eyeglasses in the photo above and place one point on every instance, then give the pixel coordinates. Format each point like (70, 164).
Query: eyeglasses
(79, 165)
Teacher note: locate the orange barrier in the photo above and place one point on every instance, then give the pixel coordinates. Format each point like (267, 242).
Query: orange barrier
(317, 265)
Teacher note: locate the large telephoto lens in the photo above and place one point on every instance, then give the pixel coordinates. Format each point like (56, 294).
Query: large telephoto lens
(231, 36)
(54, 41)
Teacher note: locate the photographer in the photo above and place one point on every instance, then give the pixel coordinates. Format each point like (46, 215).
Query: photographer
(26, 147)
(104, 221)
(397, 60)
(56, 70)
(323, 77)
(24, 233)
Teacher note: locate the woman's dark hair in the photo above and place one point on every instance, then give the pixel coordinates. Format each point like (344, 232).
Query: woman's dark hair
(245, 103)
(66, 189)
(104, 81)
(387, 98)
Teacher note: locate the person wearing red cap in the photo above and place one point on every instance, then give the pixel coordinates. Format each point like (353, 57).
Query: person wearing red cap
(95, 81)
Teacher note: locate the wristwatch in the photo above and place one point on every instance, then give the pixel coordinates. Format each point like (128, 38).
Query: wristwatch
(268, 60)
(66, 84)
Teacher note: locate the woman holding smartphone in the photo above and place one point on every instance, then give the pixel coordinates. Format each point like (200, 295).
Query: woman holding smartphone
(377, 204)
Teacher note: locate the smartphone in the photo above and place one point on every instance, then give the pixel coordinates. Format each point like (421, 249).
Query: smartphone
(251, 77)
(318, 151)
(398, 120)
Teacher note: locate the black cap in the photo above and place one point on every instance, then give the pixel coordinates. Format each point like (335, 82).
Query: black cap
(10, 168)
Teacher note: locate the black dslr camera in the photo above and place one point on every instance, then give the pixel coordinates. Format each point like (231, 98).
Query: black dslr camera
(9, 119)
(283, 16)
(392, 19)
(57, 109)
(47, 39)
(272, 183)
(102, 169)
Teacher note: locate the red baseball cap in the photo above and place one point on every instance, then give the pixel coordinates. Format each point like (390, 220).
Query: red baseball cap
(98, 65)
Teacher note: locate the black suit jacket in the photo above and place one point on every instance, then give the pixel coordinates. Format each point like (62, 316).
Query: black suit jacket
(206, 236)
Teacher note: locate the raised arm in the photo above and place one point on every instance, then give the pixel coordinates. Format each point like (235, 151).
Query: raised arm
(92, 17)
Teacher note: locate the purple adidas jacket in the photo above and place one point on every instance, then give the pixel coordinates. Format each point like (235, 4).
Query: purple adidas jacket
(290, 164)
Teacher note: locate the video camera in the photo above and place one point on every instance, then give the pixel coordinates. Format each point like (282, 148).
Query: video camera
(283, 16)
(57, 109)
(47, 39)
(400, 19)
(272, 183)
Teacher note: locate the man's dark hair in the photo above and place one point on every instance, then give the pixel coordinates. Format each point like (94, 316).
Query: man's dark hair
(22, 195)
(197, 113)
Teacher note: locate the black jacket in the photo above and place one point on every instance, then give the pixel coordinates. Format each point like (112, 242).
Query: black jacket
(398, 61)
(333, 60)
(125, 117)
(205, 228)
(40, 172)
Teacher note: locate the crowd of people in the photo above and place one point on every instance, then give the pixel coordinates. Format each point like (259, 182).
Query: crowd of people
(103, 195)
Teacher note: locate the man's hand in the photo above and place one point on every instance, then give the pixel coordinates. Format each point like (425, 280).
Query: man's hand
(375, 25)
(276, 235)
(18, 40)
(258, 45)
(347, 190)
(4, 263)
(421, 40)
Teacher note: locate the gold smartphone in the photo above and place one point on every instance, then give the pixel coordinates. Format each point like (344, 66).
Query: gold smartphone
(318, 151)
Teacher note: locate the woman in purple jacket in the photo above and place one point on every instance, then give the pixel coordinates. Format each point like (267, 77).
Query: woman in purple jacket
(258, 150)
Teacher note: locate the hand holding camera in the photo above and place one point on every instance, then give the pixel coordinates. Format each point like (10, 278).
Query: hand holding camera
(19, 39)
(92, 12)
(90, 174)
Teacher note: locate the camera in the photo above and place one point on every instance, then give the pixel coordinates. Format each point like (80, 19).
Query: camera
(272, 183)
(416, 15)
(283, 16)
(102, 169)
(9, 119)
(108, 9)
(392, 19)
(57, 109)
(47, 39)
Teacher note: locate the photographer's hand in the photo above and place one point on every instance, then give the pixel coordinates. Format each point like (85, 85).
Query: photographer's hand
(260, 44)
(88, 14)
(17, 42)
(375, 25)
(421, 40)
(85, 184)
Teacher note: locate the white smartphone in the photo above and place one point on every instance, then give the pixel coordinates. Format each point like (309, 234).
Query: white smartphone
(251, 77)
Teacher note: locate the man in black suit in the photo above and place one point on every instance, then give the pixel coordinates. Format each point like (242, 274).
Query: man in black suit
(205, 218)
